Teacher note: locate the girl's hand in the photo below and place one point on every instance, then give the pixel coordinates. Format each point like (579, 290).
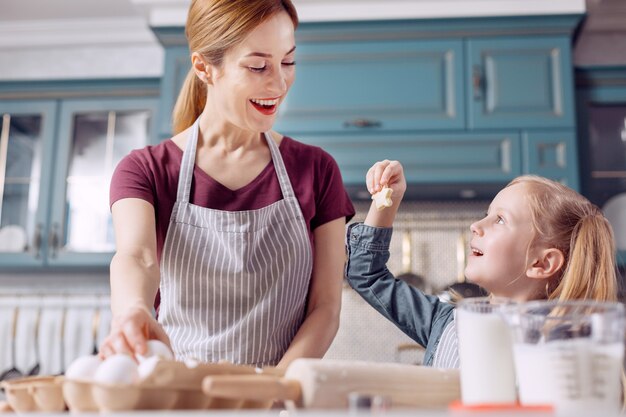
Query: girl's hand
(386, 173)
(130, 332)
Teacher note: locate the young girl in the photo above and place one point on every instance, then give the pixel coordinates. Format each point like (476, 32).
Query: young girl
(538, 240)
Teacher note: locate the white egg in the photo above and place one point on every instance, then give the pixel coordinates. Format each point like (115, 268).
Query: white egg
(146, 367)
(117, 369)
(158, 349)
(83, 368)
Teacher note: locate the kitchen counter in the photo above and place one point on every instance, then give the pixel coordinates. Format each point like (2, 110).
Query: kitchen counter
(164, 13)
(283, 413)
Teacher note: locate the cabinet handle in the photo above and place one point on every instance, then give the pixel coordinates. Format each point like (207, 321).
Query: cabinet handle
(37, 239)
(362, 123)
(478, 82)
(53, 240)
(623, 131)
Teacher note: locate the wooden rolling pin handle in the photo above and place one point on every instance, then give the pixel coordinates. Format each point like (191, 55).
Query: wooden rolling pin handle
(252, 387)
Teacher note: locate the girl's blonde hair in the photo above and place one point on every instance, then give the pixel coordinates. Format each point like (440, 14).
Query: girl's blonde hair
(564, 219)
(212, 28)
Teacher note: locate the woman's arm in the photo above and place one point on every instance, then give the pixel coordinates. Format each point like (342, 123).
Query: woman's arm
(324, 301)
(134, 278)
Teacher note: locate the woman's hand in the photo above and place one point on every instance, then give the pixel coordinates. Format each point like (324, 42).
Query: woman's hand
(386, 173)
(130, 331)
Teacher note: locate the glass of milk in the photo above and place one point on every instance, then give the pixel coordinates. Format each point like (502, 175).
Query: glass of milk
(485, 352)
(569, 354)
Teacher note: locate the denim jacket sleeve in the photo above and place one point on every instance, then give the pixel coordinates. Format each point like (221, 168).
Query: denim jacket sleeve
(422, 317)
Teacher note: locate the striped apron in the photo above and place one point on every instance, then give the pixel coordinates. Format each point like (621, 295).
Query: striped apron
(234, 284)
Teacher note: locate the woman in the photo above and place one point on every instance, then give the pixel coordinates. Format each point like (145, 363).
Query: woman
(239, 227)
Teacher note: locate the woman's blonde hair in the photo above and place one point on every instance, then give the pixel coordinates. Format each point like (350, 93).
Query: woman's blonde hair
(213, 27)
(565, 220)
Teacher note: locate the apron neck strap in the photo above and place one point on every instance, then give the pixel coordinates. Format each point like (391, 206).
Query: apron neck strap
(279, 166)
(187, 165)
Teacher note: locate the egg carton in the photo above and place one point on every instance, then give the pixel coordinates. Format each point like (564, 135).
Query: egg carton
(171, 385)
(35, 393)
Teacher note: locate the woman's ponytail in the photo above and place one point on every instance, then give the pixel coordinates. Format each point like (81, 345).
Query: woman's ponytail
(189, 104)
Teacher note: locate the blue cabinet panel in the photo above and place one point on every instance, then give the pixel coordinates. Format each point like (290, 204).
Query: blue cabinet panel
(82, 121)
(382, 85)
(524, 82)
(35, 227)
(552, 155)
(433, 158)
(177, 65)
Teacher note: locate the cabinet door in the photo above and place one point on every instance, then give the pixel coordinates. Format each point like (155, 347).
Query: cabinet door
(94, 135)
(520, 82)
(552, 155)
(383, 85)
(177, 65)
(26, 137)
(434, 158)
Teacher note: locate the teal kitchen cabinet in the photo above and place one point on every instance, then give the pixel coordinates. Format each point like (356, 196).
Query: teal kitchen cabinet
(523, 82)
(177, 65)
(95, 135)
(382, 85)
(601, 109)
(427, 158)
(552, 154)
(57, 156)
(438, 85)
(26, 159)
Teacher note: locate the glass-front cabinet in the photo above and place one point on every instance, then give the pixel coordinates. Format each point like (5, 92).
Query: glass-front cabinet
(26, 149)
(57, 157)
(100, 134)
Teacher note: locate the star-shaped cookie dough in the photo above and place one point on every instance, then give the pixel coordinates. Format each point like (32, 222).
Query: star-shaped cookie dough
(382, 199)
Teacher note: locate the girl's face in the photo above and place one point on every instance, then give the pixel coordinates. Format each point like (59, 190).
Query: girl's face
(499, 255)
(255, 76)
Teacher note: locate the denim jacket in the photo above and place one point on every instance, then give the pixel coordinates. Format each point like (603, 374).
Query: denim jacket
(422, 317)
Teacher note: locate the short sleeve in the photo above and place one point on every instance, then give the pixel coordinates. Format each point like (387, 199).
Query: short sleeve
(332, 200)
(132, 179)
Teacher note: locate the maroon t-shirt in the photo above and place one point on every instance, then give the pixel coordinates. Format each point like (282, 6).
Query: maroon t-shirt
(151, 174)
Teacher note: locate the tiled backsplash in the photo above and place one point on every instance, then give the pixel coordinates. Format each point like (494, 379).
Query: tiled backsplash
(435, 229)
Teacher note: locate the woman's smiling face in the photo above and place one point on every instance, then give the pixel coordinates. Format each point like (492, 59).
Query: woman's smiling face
(255, 76)
(499, 249)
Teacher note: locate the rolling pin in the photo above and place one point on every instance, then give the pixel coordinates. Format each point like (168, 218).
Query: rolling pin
(326, 384)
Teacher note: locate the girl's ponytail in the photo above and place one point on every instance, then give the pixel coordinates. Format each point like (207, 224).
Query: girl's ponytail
(590, 271)
(189, 104)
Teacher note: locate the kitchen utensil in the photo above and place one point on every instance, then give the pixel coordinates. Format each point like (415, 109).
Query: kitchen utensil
(35, 369)
(407, 275)
(326, 384)
(95, 326)
(13, 372)
(569, 354)
(463, 288)
(12, 238)
(485, 352)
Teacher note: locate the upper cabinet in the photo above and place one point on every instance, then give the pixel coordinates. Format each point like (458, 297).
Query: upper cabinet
(57, 155)
(348, 86)
(522, 82)
(458, 101)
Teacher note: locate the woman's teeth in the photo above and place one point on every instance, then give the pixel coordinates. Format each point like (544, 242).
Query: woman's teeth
(265, 103)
